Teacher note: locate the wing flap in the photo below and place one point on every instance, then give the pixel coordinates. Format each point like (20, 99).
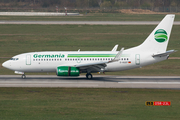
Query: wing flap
(89, 64)
(92, 67)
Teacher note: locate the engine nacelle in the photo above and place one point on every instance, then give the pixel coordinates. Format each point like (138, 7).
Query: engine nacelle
(67, 71)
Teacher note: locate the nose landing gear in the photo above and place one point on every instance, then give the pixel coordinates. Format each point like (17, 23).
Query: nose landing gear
(23, 76)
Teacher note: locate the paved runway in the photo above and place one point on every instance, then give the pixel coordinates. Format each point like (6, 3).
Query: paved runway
(88, 22)
(99, 81)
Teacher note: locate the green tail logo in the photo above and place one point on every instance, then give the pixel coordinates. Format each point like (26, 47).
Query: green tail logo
(160, 35)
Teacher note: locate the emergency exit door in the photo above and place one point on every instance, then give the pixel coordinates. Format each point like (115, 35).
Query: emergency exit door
(28, 59)
(137, 58)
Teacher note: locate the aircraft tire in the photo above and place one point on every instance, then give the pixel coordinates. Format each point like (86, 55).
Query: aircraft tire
(23, 76)
(89, 76)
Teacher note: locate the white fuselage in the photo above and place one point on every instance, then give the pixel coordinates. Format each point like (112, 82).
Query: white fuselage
(49, 61)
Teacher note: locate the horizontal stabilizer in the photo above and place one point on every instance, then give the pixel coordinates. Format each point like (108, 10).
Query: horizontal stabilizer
(115, 48)
(164, 54)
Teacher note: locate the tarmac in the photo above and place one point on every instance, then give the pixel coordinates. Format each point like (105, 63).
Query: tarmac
(98, 81)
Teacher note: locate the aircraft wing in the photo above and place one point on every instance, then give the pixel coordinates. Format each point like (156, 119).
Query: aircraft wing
(164, 54)
(92, 67)
(97, 66)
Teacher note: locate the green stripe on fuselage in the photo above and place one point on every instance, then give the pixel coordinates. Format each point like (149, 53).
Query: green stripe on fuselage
(91, 55)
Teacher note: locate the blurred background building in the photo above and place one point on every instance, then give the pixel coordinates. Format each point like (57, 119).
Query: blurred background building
(88, 5)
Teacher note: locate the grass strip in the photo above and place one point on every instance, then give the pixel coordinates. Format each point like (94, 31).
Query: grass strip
(74, 103)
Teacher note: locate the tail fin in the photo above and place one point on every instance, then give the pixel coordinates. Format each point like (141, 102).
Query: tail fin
(158, 40)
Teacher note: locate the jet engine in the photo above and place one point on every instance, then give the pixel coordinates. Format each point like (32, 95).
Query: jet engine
(67, 71)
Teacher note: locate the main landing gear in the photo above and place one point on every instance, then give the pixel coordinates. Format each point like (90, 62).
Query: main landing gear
(23, 76)
(89, 76)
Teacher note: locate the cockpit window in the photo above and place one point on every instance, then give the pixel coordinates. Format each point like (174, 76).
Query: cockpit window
(14, 59)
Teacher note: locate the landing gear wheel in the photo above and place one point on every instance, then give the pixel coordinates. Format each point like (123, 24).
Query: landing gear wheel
(23, 76)
(89, 76)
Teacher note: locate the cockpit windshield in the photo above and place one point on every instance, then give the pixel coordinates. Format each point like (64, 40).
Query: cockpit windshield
(14, 59)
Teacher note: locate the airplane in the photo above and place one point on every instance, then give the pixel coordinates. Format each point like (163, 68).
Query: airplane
(73, 63)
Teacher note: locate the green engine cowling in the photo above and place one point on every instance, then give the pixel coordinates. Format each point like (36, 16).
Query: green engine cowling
(67, 71)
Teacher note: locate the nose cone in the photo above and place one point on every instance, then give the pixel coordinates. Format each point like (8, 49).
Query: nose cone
(6, 64)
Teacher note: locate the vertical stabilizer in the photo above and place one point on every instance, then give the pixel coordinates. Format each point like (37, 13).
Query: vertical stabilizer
(158, 40)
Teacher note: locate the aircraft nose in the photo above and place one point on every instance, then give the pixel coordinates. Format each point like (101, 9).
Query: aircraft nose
(5, 64)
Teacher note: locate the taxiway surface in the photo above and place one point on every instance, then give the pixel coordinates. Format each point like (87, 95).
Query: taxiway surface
(87, 22)
(99, 81)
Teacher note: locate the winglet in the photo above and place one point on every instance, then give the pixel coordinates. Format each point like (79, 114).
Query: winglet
(118, 55)
(115, 48)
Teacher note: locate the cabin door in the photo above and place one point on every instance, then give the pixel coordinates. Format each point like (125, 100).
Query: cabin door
(137, 58)
(28, 59)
